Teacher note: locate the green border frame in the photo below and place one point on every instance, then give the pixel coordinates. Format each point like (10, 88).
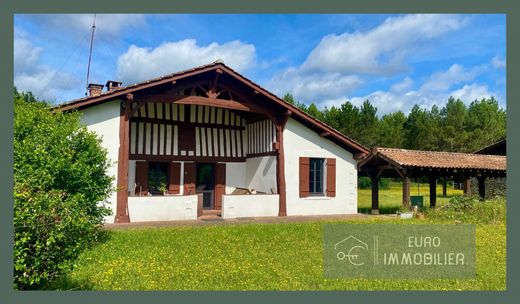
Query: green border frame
(10, 7)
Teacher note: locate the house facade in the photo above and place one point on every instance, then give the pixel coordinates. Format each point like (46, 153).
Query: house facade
(210, 141)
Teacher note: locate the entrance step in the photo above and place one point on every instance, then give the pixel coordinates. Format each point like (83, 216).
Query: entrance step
(210, 218)
(211, 215)
(212, 212)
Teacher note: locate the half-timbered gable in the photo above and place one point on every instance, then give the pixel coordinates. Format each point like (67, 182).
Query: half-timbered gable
(210, 141)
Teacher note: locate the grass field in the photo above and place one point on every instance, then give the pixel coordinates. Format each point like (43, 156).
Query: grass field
(390, 200)
(283, 256)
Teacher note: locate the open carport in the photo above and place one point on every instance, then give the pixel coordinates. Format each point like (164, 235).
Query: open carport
(408, 164)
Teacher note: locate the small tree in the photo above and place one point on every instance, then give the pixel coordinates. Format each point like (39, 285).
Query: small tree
(60, 187)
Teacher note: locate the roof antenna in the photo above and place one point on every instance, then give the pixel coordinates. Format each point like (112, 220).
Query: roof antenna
(90, 52)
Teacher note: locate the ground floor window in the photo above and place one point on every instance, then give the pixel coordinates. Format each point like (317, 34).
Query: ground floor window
(157, 178)
(316, 168)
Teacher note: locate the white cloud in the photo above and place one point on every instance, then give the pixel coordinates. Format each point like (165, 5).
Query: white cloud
(112, 24)
(140, 63)
(498, 63)
(387, 102)
(472, 92)
(382, 49)
(32, 76)
(25, 55)
(402, 86)
(313, 87)
(334, 68)
(456, 74)
(435, 90)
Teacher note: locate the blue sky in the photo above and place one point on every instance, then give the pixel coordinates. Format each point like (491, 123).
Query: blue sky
(395, 61)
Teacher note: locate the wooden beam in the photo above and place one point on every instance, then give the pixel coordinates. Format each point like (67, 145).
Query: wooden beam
(467, 186)
(187, 123)
(214, 102)
(444, 186)
(280, 167)
(406, 191)
(122, 215)
(482, 187)
(206, 101)
(432, 180)
(140, 104)
(374, 178)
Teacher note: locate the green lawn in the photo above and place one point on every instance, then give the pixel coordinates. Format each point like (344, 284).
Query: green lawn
(390, 200)
(284, 256)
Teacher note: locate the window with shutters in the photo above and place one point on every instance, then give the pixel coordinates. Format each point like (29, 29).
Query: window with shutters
(316, 168)
(317, 177)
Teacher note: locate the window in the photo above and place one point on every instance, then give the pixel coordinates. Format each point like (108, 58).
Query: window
(157, 178)
(316, 169)
(317, 177)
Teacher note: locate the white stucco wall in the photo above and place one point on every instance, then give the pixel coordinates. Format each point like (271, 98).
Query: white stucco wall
(235, 176)
(310, 144)
(234, 206)
(162, 208)
(261, 173)
(104, 120)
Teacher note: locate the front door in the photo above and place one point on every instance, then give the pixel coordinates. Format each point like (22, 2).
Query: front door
(206, 184)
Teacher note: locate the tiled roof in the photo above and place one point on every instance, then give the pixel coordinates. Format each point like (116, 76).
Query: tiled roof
(449, 160)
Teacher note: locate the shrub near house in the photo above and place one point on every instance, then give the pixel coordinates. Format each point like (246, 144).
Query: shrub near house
(59, 182)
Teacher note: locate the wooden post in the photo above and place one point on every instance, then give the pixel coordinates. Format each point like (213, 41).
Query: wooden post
(122, 215)
(467, 186)
(482, 187)
(406, 191)
(444, 186)
(432, 179)
(280, 165)
(375, 193)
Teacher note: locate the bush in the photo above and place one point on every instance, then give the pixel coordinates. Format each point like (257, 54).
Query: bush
(364, 182)
(60, 186)
(467, 209)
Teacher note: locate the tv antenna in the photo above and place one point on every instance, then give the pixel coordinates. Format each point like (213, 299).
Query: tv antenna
(90, 52)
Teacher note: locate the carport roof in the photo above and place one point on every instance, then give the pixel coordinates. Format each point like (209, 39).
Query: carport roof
(400, 158)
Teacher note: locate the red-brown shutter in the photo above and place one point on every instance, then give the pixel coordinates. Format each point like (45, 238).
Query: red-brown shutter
(174, 187)
(304, 176)
(189, 178)
(331, 177)
(220, 184)
(141, 178)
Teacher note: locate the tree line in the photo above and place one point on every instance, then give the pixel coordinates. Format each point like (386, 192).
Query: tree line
(455, 127)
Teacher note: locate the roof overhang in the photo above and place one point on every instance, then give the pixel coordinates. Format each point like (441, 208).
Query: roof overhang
(268, 99)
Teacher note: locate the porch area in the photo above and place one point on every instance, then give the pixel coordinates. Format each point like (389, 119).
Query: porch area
(201, 146)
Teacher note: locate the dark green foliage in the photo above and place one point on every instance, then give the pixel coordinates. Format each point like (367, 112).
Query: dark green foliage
(454, 127)
(495, 186)
(290, 99)
(391, 131)
(60, 184)
(364, 182)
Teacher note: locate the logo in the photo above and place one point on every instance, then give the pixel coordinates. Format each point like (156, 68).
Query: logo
(399, 251)
(351, 248)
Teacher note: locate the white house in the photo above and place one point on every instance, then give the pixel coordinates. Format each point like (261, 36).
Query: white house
(208, 140)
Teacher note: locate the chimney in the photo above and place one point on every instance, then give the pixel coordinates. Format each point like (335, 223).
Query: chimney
(94, 89)
(112, 85)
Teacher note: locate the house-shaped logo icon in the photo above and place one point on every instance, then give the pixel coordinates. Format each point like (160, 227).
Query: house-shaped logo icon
(352, 249)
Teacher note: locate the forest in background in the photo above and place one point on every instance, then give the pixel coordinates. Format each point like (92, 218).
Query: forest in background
(455, 127)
